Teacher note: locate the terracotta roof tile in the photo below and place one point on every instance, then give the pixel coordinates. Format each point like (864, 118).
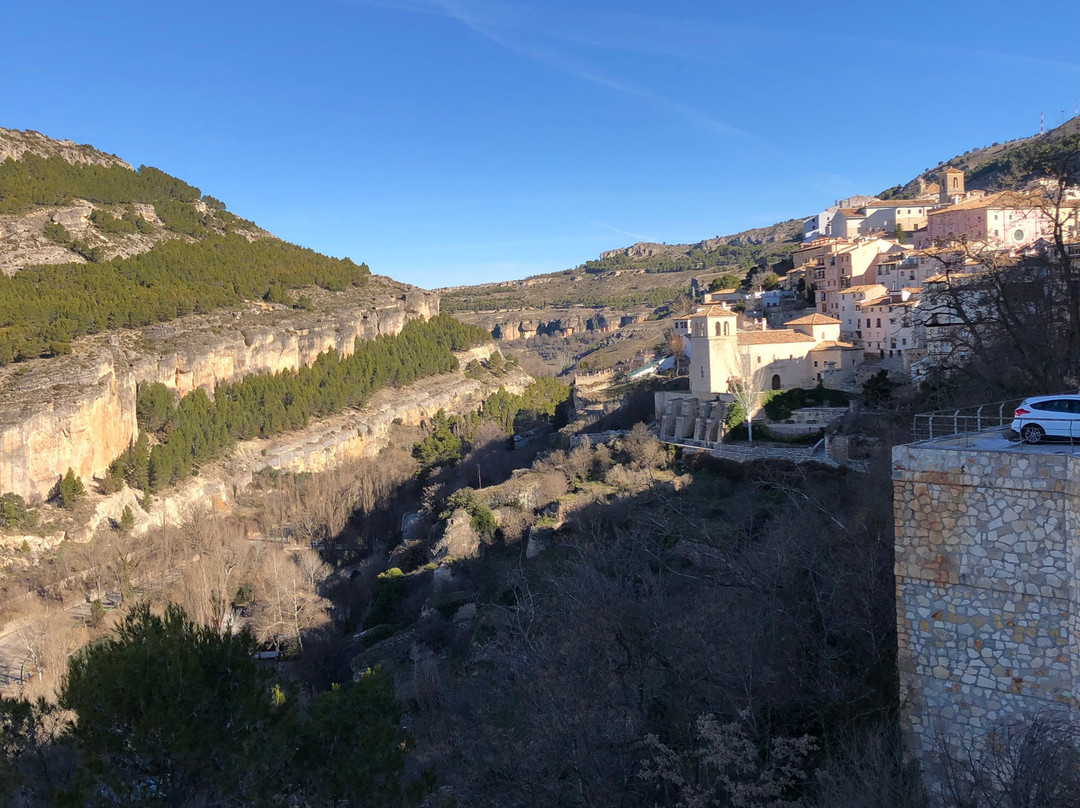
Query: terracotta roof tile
(715, 311)
(777, 337)
(814, 319)
(1015, 200)
(898, 203)
(865, 289)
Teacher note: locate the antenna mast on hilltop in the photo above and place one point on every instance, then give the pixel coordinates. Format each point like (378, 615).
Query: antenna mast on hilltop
(1041, 114)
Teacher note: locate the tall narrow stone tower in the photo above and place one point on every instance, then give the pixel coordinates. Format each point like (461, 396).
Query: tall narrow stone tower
(713, 351)
(952, 184)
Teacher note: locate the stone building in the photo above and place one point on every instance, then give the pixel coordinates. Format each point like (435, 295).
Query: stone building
(808, 351)
(987, 547)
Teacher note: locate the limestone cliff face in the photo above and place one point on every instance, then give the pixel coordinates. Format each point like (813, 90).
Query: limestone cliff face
(322, 445)
(202, 352)
(78, 411)
(78, 414)
(363, 433)
(530, 323)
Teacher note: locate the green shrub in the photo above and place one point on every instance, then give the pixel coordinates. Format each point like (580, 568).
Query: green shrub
(15, 514)
(762, 432)
(107, 223)
(387, 597)
(58, 233)
(127, 520)
(482, 520)
(779, 404)
(244, 595)
(97, 612)
(376, 634)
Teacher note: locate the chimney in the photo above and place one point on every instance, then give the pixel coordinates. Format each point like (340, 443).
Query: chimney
(764, 323)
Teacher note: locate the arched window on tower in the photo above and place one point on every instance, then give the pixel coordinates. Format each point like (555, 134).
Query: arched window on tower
(727, 326)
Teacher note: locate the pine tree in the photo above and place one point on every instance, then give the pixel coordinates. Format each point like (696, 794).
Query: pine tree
(71, 489)
(127, 520)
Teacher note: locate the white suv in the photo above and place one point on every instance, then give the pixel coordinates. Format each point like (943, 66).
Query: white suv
(1048, 417)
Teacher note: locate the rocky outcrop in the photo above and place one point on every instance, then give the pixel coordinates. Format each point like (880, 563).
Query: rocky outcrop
(14, 144)
(506, 326)
(459, 539)
(202, 352)
(78, 411)
(25, 243)
(789, 230)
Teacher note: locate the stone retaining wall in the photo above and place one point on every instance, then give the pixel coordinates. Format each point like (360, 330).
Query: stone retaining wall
(987, 545)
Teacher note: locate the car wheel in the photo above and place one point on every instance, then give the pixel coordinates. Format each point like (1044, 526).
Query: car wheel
(1032, 433)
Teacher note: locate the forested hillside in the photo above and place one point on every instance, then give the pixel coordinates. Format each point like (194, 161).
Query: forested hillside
(43, 308)
(123, 248)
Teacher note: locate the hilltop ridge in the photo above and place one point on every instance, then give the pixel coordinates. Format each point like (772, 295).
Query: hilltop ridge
(15, 144)
(993, 167)
(67, 203)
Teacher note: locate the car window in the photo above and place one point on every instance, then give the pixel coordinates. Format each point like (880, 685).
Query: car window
(1058, 405)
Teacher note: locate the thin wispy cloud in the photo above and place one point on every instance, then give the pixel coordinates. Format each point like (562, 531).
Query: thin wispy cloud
(621, 232)
(519, 30)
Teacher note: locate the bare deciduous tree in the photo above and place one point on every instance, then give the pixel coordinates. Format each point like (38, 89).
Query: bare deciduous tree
(747, 388)
(286, 603)
(724, 768)
(1031, 762)
(1008, 322)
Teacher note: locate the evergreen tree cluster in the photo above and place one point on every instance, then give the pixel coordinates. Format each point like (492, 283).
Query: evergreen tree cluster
(165, 712)
(541, 399)
(441, 447)
(128, 223)
(196, 429)
(36, 180)
(14, 514)
(1039, 157)
(448, 436)
(43, 308)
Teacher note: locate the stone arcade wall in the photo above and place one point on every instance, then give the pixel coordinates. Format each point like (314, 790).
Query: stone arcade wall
(987, 545)
(682, 418)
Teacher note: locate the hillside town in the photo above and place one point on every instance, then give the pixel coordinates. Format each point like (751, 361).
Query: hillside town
(895, 285)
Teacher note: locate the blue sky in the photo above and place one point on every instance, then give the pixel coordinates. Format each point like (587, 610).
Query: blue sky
(459, 141)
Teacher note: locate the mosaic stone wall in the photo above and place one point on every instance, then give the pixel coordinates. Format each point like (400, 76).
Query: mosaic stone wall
(987, 550)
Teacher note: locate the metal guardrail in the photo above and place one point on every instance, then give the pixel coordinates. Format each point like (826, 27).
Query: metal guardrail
(946, 423)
